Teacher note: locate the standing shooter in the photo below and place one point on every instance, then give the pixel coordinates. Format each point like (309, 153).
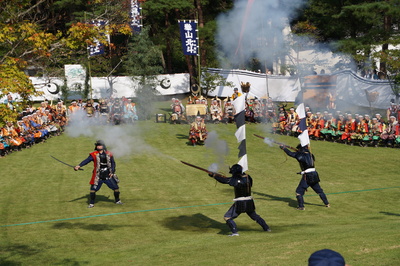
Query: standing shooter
(244, 202)
(310, 177)
(103, 172)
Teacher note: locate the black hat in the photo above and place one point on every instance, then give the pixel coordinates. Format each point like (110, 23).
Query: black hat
(236, 169)
(100, 143)
(326, 257)
(302, 148)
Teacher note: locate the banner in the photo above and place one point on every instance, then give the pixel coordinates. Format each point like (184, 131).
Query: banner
(135, 16)
(75, 76)
(240, 104)
(98, 47)
(303, 137)
(190, 42)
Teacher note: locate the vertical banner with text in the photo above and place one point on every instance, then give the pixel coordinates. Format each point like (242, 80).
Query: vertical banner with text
(190, 42)
(98, 48)
(135, 17)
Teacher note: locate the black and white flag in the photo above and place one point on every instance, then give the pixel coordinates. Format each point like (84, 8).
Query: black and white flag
(303, 137)
(240, 105)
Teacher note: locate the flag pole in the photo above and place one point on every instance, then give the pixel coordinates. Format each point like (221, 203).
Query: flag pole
(89, 67)
(198, 51)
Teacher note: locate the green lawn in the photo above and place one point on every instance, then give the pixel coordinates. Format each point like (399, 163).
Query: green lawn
(173, 214)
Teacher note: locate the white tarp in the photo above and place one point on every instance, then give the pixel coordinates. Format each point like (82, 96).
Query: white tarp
(279, 88)
(351, 88)
(103, 87)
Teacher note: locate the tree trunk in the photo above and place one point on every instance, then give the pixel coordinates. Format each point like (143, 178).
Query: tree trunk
(203, 52)
(168, 47)
(190, 69)
(387, 26)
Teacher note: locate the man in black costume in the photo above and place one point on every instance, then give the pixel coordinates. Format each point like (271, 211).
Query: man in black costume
(244, 202)
(310, 177)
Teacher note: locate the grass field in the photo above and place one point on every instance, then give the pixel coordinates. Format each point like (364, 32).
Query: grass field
(172, 214)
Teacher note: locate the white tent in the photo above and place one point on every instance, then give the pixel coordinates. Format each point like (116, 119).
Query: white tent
(351, 89)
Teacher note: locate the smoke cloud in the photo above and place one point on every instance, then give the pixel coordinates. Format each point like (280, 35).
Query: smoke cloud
(257, 32)
(261, 30)
(121, 140)
(268, 141)
(219, 149)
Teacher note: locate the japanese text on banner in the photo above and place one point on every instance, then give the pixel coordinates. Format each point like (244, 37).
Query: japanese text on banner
(189, 37)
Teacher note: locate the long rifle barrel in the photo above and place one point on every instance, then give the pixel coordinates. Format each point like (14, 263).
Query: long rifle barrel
(279, 143)
(202, 169)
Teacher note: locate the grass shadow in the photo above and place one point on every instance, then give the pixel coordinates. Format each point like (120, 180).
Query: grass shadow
(201, 223)
(290, 201)
(98, 198)
(390, 213)
(181, 136)
(71, 262)
(11, 251)
(85, 226)
(194, 223)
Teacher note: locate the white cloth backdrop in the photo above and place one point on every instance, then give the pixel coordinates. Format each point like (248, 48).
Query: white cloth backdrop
(351, 88)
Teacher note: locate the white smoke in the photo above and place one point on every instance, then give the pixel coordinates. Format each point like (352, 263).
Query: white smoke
(269, 141)
(121, 140)
(263, 28)
(219, 149)
(213, 167)
(266, 35)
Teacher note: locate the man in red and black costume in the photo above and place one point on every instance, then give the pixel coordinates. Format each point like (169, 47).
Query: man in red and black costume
(103, 172)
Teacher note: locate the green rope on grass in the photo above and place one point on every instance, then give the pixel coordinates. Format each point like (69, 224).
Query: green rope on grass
(174, 208)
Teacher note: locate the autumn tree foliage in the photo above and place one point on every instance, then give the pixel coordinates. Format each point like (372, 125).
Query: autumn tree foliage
(22, 42)
(43, 33)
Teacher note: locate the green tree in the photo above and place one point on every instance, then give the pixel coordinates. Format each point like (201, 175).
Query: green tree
(355, 27)
(210, 81)
(143, 63)
(163, 16)
(392, 59)
(22, 42)
(30, 37)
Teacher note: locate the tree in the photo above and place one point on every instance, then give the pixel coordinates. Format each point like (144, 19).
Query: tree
(143, 63)
(29, 36)
(392, 59)
(22, 42)
(210, 81)
(355, 27)
(163, 16)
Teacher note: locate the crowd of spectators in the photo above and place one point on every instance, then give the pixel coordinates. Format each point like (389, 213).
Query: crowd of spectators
(36, 125)
(353, 129)
(334, 125)
(222, 111)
